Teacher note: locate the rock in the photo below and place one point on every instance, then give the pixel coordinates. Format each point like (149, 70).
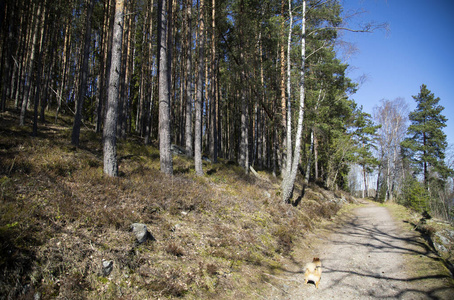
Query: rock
(107, 267)
(440, 247)
(443, 239)
(141, 232)
(267, 194)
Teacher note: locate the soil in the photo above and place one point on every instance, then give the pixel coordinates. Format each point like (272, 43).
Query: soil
(370, 256)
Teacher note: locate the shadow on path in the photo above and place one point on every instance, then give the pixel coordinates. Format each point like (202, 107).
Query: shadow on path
(369, 257)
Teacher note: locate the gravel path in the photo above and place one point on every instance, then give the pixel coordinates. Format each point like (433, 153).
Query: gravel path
(371, 258)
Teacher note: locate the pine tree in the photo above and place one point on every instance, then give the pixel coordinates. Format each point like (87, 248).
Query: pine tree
(426, 141)
(110, 127)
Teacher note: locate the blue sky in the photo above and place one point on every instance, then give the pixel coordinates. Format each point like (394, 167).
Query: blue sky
(418, 49)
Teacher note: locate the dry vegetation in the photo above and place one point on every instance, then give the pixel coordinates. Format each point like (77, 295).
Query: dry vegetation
(215, 235)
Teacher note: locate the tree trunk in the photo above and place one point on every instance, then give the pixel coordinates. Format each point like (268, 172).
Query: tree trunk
(83, 76)
(29, 71)
(244, 133)
(214, 135)
(288, 130)
(188, 82)
(289, 183)
(152, 64)
(282, 89)
(110, 124)
(164, 88)
(38, 75)
(199, 99)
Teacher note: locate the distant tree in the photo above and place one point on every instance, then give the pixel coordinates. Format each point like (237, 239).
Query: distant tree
(365, 136)
(110, 125)
(426, 141)
(34, 51)
(83, 75)
(392, 115)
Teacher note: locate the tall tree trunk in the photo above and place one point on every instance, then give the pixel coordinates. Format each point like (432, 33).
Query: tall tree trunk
(152, 64)
(289, 183)
(199, 99)
(101, 92)
(83, 76)
(39, 73)
(288, 130)
(29, 71)
(110, 124)
(188, 82)
(282, 89)
(164, 87)
(244, 133)
(214, 135)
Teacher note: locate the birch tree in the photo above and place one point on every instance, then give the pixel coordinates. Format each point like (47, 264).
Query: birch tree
(392, 115)
(289, 178)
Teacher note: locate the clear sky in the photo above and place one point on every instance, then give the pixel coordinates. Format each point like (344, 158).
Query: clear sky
(418, 49)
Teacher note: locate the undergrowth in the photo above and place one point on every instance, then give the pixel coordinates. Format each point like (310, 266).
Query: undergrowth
(61, 217)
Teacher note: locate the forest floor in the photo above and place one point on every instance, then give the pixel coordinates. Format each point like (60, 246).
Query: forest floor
(224, 235)
(370, 255)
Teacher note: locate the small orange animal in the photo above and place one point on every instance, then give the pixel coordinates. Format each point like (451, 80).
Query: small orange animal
(313, 272)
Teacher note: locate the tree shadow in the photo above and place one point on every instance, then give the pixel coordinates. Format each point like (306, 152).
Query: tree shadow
(371, 280)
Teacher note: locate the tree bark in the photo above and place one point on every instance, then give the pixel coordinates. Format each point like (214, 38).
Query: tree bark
(164, 88)
(199, 99)
(29, 71)
(214, 134)
(188, 82)
(289, 182)
(110, 124)
(38, 74)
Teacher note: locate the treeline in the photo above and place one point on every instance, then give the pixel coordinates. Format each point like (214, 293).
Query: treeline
(255, 82)
(412, 165)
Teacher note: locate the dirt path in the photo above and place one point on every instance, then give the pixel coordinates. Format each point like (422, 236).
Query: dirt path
(370, 257)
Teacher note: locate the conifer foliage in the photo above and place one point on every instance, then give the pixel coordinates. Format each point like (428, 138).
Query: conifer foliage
(426, 142)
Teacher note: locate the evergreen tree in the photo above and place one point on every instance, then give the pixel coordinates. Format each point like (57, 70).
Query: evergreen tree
(426, 141)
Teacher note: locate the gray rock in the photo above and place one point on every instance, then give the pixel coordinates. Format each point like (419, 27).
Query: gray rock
(141, 232)
(440, 248)
(107, 267)
(443, 239)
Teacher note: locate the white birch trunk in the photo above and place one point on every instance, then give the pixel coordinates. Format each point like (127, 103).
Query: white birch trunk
(290, 182)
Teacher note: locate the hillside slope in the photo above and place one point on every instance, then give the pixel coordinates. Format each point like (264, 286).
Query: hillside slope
(214, 235)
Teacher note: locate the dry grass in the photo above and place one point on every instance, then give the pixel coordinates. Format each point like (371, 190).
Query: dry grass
(60, 217)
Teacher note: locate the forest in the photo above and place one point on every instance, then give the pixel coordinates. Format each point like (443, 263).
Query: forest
(236, 76)
(256, 84)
